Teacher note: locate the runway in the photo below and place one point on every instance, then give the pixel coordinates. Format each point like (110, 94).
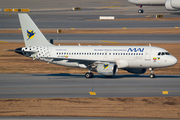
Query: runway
(77, 86)
(99, 38)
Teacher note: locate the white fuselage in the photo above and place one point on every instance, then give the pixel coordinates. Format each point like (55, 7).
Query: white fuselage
(148, 2)
(123, 56)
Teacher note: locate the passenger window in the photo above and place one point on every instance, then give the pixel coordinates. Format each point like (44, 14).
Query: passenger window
(123, 53)
(109, 53)
(79, 53)
(159, 53)
(131, 53)
(69, 53)
(105, 53)
(97, 53)
(102, 53)
(89, 53)
(74, 53)
(84, 53)
(163, 53)
(92, 53)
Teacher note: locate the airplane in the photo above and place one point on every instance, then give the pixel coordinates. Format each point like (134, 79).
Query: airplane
(105, 60)
(171, 5)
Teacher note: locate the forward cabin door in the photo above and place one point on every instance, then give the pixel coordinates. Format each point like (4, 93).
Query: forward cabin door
(148, 54)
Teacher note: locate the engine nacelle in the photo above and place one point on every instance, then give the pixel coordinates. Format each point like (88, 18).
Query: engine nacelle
(172, 5)
(136, 70)
(107, 69)
(175, 4)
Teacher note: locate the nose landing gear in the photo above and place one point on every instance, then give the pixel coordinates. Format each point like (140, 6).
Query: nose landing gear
(140, 10)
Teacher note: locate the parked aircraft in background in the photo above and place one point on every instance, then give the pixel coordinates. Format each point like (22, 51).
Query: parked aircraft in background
(172, 5)
(105, 60)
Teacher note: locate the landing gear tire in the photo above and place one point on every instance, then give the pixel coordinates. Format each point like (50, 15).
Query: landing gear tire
(140, 11)
(89, 75)
(152, 76)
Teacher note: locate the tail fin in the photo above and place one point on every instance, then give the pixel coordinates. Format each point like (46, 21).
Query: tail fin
(31, 34)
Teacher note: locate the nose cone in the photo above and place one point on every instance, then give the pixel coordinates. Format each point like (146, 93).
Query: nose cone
(174, 60)
(134, 1)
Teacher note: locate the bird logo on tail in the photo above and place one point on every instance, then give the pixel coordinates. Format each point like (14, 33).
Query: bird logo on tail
(30, 34)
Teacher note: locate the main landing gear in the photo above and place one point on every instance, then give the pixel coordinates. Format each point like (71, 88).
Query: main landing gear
(152, 75)
(140, 10)
(89, 74)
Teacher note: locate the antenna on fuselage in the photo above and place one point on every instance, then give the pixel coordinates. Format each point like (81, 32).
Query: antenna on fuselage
(149, 45)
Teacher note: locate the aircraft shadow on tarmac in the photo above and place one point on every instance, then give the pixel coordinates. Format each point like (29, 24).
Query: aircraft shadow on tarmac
(104, 77)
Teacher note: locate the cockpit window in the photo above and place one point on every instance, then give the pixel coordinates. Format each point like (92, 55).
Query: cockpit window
(163, 53)
(167, 53)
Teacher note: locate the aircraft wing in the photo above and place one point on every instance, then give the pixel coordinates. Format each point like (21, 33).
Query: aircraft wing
(80, 61)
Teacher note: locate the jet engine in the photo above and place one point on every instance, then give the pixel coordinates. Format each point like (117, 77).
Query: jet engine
(136, 70)
(107, 69)
(172, 5)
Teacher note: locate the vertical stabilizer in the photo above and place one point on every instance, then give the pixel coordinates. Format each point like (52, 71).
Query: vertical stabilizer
(31, 34)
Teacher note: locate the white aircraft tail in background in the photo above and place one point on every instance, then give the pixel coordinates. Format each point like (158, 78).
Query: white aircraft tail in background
(105, 60)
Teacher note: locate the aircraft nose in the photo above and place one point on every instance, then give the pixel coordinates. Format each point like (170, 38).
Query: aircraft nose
(174, 60)
(131, 1)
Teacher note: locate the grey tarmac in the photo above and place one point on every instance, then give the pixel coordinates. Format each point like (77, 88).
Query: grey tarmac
(99, 38)
(77, 86)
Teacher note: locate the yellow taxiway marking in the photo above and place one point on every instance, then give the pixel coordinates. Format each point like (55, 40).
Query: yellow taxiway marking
(176, 27)
(109, 41)
(72, 28)
(124, 28)
(92, 93)
(3, 42)
(112, 6)
(164, 92)
(148, 16)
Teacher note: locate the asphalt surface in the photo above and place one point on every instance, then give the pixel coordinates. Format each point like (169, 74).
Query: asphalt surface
(75, 86)
(81, 21)
(99, 38)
